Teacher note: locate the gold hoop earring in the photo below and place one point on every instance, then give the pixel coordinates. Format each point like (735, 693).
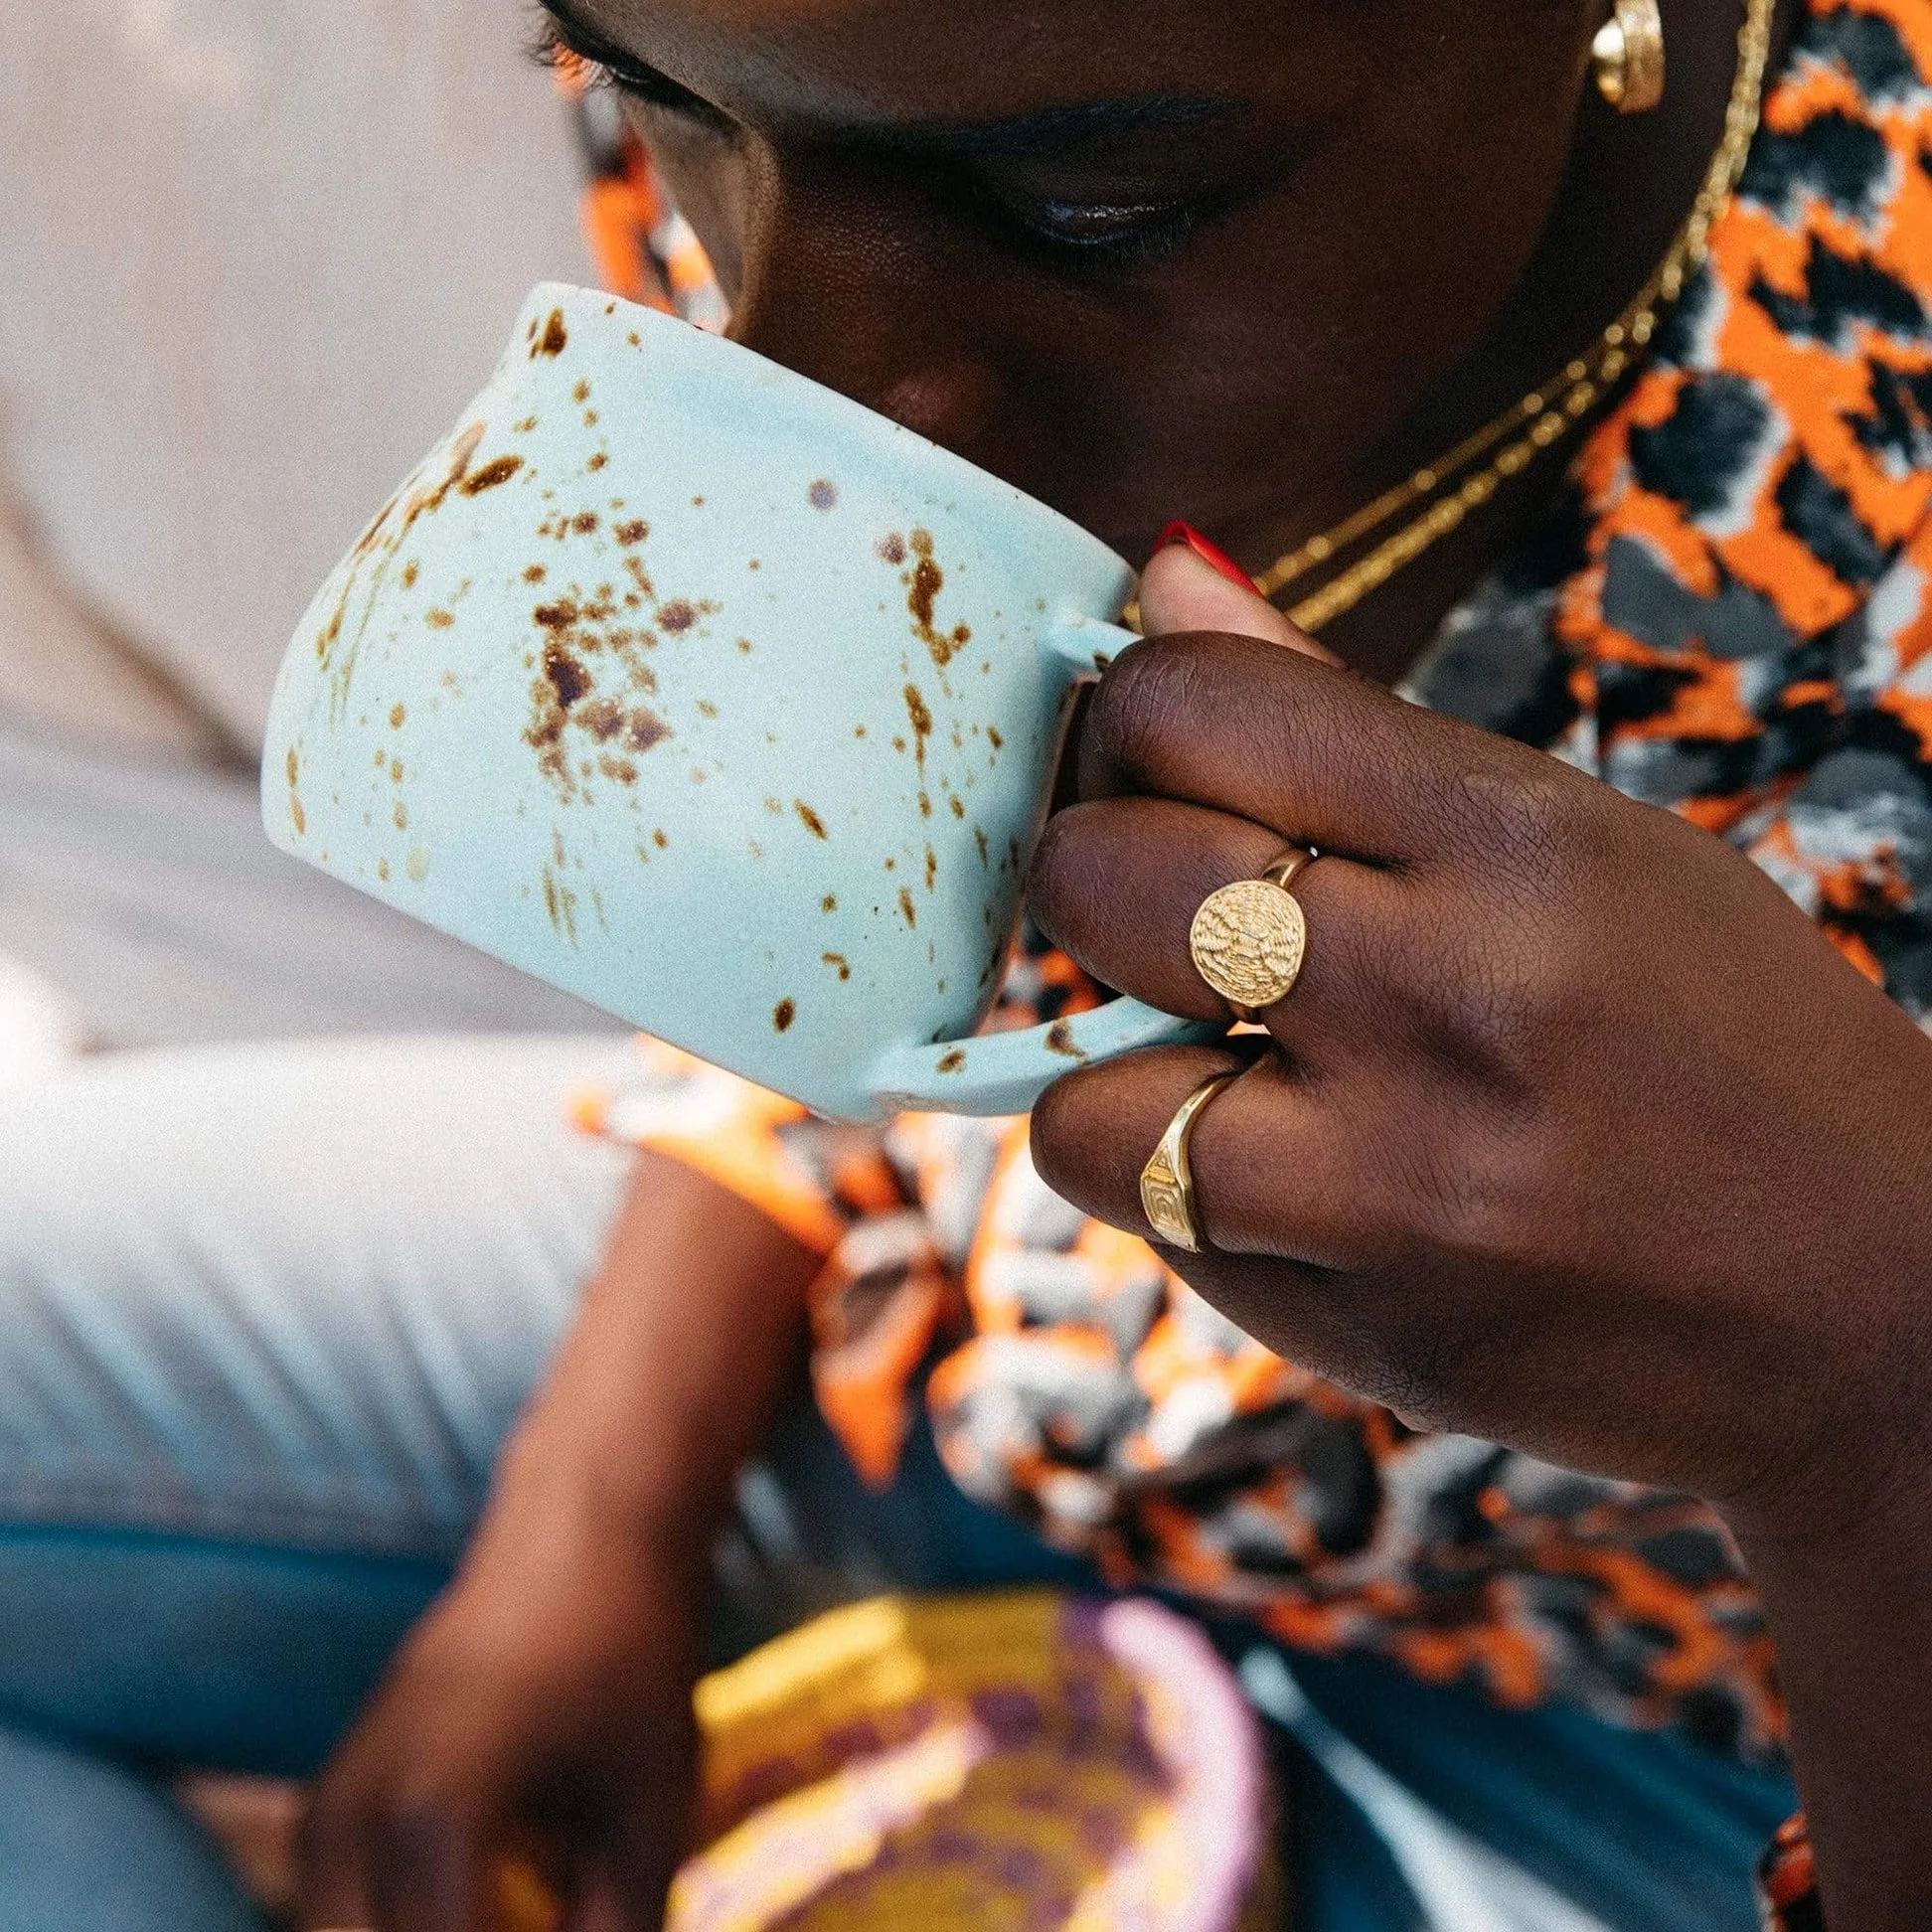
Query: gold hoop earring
(1628, 57)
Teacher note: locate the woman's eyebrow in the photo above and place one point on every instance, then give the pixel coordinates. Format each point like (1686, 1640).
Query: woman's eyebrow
(1043, 131)
(1057, 130)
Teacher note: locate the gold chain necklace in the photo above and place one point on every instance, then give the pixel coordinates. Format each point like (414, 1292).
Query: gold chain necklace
(1515, 437)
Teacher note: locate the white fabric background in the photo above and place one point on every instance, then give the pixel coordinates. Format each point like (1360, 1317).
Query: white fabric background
(255, 256)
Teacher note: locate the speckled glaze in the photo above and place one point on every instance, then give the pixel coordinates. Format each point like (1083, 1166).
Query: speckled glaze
(712, 696)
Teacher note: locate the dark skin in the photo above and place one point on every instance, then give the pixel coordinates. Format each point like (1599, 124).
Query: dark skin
(1574, 1134)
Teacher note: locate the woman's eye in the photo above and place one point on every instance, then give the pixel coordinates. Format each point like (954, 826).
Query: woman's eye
(1093, 230)
(1104, 224)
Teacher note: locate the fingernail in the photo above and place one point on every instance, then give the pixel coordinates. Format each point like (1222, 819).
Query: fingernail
(1211, 554)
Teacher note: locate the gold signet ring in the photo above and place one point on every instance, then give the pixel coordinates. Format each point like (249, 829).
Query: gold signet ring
(1166, 1182)
(1248, 939)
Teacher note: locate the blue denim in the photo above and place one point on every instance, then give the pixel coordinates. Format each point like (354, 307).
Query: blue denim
(123, 1647)
(243, 1437)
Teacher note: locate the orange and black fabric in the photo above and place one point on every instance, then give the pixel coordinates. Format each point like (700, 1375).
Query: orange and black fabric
(1730, 614)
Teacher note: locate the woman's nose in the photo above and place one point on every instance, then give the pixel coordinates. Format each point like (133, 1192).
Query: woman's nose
(863, 293)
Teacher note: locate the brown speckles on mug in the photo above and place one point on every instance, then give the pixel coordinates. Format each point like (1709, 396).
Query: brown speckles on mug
(1059, 1039)
(823, 494)
(560, 903)
(567, 677)
(499, 469)
(839, 962)
(920, 714)
(644, 730)
(564, 695)
(924, 582)
(783, 1013)
(603, 719)
(810, 819)
(555, 338)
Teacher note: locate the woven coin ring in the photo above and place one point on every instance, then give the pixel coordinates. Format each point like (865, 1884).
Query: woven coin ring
(1248, 939)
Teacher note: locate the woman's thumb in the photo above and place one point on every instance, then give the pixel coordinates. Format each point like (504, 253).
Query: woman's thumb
(1188, 585)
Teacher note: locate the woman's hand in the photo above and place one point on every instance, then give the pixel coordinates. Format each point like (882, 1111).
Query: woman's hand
(533, 1742)
(537, 1725)
(1581, 1136)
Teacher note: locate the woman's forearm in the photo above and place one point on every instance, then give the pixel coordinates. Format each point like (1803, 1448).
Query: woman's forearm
(1851, 1614)
(688, 1342)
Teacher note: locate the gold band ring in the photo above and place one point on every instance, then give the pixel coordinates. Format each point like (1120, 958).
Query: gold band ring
(1166, 1181)
(1248, 939)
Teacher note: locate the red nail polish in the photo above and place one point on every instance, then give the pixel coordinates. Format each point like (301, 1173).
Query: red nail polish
(1209, 554)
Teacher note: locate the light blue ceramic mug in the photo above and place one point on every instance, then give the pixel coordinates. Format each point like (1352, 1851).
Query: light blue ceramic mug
(706, 694)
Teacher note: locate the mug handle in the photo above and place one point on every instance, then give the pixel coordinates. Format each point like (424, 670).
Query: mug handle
(1006, 1072)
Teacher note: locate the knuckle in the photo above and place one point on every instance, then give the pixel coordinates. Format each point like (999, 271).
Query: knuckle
(1495, 994)
(1528, 821)
(1146, 700)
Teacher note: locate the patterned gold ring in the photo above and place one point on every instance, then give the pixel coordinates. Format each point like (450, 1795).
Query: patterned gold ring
(1166, 1181)
(1248, 939)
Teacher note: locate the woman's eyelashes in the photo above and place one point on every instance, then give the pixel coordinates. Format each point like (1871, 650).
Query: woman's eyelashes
(1090, 231)
(553, 46)
(1112, 228)
(1085, 231)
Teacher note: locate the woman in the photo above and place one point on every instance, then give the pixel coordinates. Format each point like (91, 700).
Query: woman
(1573, 1134)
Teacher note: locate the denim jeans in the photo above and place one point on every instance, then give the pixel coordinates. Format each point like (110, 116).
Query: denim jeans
(266, 1317)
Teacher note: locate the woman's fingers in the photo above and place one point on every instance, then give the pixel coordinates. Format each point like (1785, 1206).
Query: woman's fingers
(1117, 883)
(1298, 1207)
(1271, 730)
(1269, 1171)
(433, 1870)
(398, 1864)
(330, 1853)
(1314, 753)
